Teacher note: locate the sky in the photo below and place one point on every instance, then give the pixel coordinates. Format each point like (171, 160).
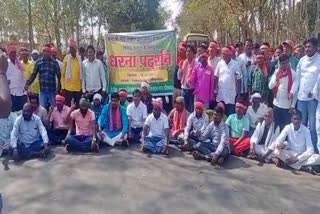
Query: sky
(174, 8)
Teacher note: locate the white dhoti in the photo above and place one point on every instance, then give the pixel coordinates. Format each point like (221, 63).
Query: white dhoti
(262, 150)
(112, 141)
(312, 160)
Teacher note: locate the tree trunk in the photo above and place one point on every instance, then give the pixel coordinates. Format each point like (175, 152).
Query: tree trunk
(30, 26)
(77, 21)
(56, 5)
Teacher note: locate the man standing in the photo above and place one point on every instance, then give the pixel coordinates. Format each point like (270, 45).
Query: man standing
(35, 55)
(49, 72)
(113, 123)
(294, 146)
(185, 73)
(248, 60)
(316, 94)
(28, 69)
(54, 55)
(284, 85)
(82, 134)
(308, 71)
(71, 75)
(228, 80)
(29, 137)
(137, 113)
(203, 80)
(94, 80)
(16, 79)
(213, 55)
(155, 135)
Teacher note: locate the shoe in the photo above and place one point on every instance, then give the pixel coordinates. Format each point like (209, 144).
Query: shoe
(68, 148)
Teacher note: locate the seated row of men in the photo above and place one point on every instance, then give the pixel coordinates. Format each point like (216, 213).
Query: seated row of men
(85, 130)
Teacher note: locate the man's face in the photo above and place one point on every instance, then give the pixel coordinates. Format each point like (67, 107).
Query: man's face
(137, 98)
(35, 105)
(13, 56)
(99, 56)
(73, 51)
(217, 117)
(182, 54)
(24, 56)
(259, 61)
(156, 111)
(46, 53)
(268, 118)
(96, 102)
(114, 102)
(285, 65)
(213, 52)
(179, 106)
(84, 109)
(256, 100)
(199, 112)
(239, 49)
(123, 97)
(248, 46)
(278, 52)
(59, 105)
(239, 111)
(90, 53)
(54, 55)
(296, 121)
(35, 56)
(27, 114)
(265, 51)
(200, 50)
(203, 61)
(299, 52)
(190, 53)
(287, 49)
(226, 57)
(310, 49)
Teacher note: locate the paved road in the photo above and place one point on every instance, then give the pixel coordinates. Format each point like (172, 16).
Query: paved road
(127, 181)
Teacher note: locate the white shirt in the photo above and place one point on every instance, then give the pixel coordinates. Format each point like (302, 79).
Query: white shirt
(137, 114)
(227, 75)
(214, 62)
(254, 116)
(94, 77)
(157, 128)
(296, 140)
(281, 99)
(16, 78)
(308, 70)
(316, 94)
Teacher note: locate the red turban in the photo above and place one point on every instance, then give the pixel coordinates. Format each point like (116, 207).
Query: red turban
(60, 98)
(12, 48)
(213, 45)
(241, 106)
(123, 92)
(226, 51)
(199, 105)
(54, 49)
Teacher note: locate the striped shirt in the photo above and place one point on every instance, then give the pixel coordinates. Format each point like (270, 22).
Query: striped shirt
(218, 135)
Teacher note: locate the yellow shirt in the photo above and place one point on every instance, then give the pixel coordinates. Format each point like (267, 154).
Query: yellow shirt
(74, 83)
(28, 69)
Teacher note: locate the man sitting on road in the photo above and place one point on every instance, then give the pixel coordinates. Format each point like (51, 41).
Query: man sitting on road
(178, 120)
(214, 147)
(239, 128)
(137, 113)
(59, 121)
(294, 146)
(155, 136)
(196, 125)
(38, 109)
(113, 123)
(82, 135)
(29, 137)
(261, 142)
(6, 126)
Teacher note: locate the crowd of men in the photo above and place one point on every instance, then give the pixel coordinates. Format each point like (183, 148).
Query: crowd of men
(245, 100)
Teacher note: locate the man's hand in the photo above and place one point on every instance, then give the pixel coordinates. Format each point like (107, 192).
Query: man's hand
(291, 110)
(290, 96)
(310, 95)
(50, 109)
(280, 146)
(73, 105)
(215, 158)
(252, 152)
(3, 64)
(292, 160)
